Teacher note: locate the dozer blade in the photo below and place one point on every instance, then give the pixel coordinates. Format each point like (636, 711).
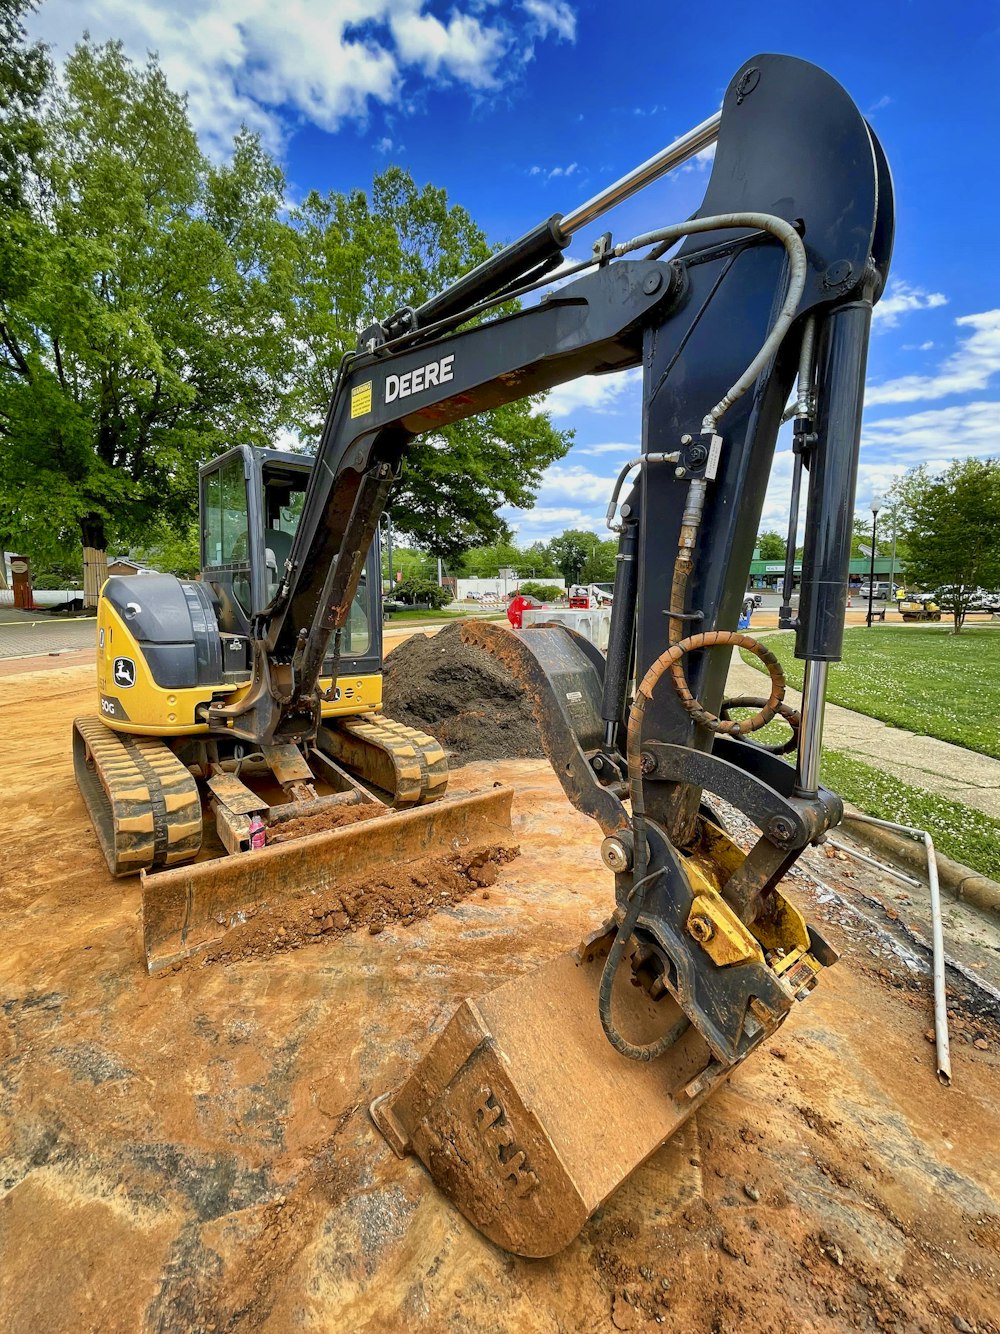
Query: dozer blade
(524, 1114)
(190, 908)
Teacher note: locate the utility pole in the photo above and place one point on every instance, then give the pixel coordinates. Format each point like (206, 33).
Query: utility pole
(892, 558)
(876, 506)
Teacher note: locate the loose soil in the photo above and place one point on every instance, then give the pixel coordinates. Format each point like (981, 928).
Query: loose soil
(464, 697)
(339, 817)
(193, 1152)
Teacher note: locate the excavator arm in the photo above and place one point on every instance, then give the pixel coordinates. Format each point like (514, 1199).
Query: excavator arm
(774, 281)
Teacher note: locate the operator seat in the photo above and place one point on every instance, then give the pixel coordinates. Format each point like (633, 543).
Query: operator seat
(277, 547)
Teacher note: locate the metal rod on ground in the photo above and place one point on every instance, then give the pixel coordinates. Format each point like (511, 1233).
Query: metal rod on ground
(937, 933)
(863, 857)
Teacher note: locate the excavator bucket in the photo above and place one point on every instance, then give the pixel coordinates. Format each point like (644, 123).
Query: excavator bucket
(188, 910)
(525, 1116)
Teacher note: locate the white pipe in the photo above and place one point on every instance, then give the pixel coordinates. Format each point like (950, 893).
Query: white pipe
(937, 934)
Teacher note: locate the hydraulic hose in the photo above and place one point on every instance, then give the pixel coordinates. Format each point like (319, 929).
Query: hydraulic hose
(797, 267)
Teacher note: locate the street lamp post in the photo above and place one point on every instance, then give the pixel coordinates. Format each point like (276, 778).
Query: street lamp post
(876, 506)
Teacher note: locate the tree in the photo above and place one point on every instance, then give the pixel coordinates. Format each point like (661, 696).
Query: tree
(952, 527)
(771, 545)
(25, 73)
(415, 589)
(599, 567)
(571, 551)
(363, 256)
(146, 327)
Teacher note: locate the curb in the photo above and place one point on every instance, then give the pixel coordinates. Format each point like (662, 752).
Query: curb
(961, 882)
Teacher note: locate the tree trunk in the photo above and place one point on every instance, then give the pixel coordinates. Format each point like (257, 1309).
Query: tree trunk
(95, 557)
(3, 568)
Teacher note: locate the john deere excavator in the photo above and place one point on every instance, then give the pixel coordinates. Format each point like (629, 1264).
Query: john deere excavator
(539, 1098)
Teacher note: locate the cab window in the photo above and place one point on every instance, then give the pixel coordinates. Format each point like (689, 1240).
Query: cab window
(284, 494)
(225, 534)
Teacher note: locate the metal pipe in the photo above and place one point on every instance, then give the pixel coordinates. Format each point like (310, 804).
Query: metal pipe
(870, 861)
(811, 731)
(785, 621)
(639, 177)
(937, 936)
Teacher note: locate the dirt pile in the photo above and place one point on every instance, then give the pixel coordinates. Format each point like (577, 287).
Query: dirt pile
(465, 698)
(337, 818)
(403, 894)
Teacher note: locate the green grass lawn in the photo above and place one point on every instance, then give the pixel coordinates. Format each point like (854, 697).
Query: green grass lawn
(922, 678)
(967, 835)
(433, 617)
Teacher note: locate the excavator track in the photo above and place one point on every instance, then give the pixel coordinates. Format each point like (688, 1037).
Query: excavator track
(143, 802)
(401, 760)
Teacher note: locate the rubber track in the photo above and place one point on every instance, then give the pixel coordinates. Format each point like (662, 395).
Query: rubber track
(372, 746)
(433, 760)
(143, 802)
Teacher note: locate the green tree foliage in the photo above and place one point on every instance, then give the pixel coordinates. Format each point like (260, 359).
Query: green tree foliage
(416, 590)
(361, 257)
(25, 73)
(171, 551)
(147, 328)
(487, 561)
(599, 567)
(575, 552)
(543, 592)
(952, 527)
(771, 545)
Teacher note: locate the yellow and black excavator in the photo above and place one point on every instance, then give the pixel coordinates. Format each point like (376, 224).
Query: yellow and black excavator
(539, 1098)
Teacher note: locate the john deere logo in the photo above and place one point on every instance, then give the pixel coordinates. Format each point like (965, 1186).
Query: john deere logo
(124, 673)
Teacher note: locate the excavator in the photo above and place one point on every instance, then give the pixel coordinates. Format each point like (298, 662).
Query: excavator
(537, 1100)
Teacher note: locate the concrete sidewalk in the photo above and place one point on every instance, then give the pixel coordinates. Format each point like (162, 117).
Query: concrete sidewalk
(24, 634)
(922, 761)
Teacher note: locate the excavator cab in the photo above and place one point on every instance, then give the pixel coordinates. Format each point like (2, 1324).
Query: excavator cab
(250, 504)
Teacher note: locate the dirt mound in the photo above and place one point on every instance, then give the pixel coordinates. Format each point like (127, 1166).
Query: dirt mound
(402, 894)
(466, 699)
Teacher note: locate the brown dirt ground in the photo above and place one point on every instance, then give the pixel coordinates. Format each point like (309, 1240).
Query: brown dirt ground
(193, 1152)
(423, 679)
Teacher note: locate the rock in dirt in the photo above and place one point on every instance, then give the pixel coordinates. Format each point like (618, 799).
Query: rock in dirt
(465, 698)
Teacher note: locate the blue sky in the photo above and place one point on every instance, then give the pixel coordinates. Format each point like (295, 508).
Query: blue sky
(522, 108)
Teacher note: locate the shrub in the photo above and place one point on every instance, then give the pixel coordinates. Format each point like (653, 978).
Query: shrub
(425, 591)
(543, 592)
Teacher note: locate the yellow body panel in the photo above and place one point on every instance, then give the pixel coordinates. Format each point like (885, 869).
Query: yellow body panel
(144, 708)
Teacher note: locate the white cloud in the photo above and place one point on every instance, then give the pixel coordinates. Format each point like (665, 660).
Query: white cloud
(463, 47)
(324, 61)
(900, 300)
(592, 393)
(384, 145)
(570, 481)
(937, 435)
(553, 16)
(624, 449)
(550, 173)
(884, 101)
(965, 371)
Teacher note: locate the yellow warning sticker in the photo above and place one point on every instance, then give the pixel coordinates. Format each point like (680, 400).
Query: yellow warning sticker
(361, 399)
